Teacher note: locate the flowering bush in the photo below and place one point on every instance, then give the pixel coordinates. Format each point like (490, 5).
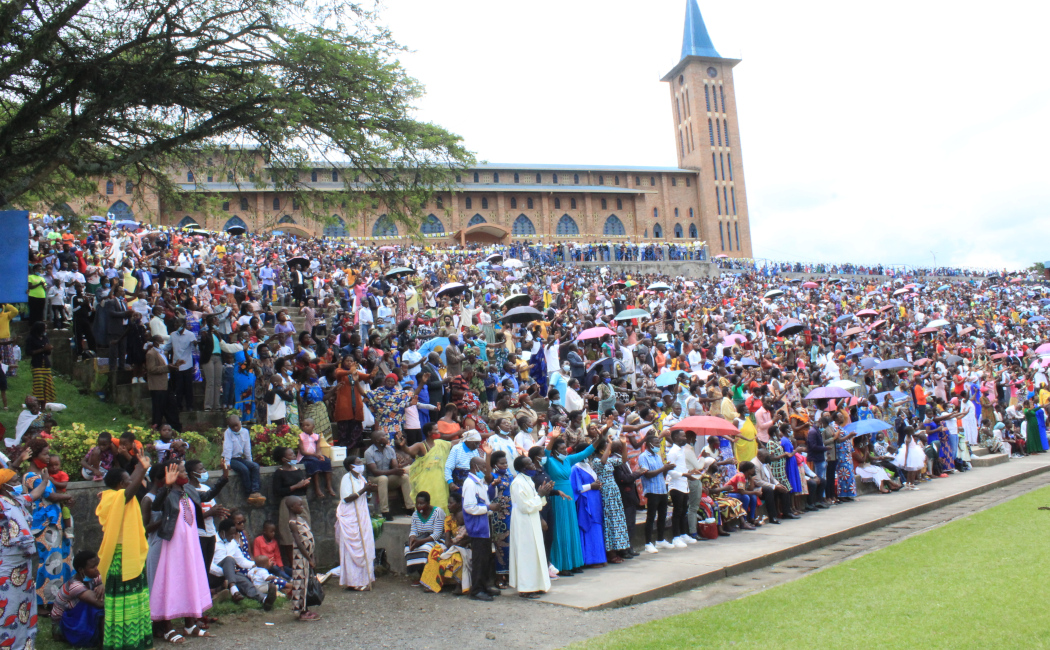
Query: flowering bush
(73, 443)
(266, 438)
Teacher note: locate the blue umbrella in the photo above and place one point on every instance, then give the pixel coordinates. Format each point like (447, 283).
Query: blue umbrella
(668, 378)
(97, 219)
(844, 317)
(892, 364)
(429, 346)
(1044, 301)
(895, 395)
(943, 287)
(867, 426)
(1036, 319)
(870, 362)
(749, 363)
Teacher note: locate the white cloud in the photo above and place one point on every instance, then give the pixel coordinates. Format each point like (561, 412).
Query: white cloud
(870, 133)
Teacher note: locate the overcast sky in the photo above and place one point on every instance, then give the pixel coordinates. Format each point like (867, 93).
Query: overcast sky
(891, 133)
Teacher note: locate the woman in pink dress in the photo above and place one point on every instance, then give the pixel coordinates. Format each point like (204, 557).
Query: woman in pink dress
(180, 586)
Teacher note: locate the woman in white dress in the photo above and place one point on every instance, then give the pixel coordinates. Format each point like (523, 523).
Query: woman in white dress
(911, 457)
(353, 528)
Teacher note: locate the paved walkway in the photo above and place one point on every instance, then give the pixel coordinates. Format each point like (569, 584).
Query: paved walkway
(672, 571)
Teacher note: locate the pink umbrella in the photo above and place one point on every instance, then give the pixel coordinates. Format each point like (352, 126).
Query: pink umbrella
(387, 248)
(867, 313)
(733, 339)
(1043, 349)
(594, 333)
(810, 285)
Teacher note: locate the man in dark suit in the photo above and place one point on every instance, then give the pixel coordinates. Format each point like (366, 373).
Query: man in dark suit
(115, 313)
(298, 281)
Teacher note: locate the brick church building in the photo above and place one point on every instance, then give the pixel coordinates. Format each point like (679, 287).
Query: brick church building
(702, 199)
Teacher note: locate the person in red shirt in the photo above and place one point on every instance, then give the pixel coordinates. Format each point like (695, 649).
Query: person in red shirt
(266, 545)
(920, 399)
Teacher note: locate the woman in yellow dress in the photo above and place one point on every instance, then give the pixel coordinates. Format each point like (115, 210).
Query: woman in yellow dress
(427, 472)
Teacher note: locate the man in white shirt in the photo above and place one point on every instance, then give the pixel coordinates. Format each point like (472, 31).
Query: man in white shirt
(228, 558)
(678, 489)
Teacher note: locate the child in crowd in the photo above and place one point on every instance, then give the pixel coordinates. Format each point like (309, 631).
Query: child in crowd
(491, 379)
(266, 545)
(228, 370)
(163, 445)
(61, 480)
(304, 559)
(261, 576)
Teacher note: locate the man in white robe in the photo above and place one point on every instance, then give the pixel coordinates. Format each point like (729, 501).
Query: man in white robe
(528, 558)
(969, 419)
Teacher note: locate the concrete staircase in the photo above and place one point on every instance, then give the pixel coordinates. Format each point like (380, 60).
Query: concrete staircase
(980, 457)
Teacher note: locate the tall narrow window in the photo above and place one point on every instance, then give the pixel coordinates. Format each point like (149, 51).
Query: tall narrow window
(637, 181)
(109, 184)
(688, 112)
(513, 203)
(677, 110)
(707, 97)
(517, 179)
(692, 142)
(732, 195)
(711, 132)
(718, 129)
(244, 204)
(438, 201)
(616, 180)
(722, 94)
(690, 213)
(226, 206)
(718, 201)
(730, 157)
(688, 181)
(495, 177)
(736, 227)
(725, 127)
(605, 205)
(313, 176)
(538, 178)
(276, 203)
(572, 204)
(601, 180)
(725, 198)
(335, 176)
(209, 178)
(528, 203)
(656, 213)
(729, 236)
(619, 204)
(295, 203)
(681, 142)
(722, 163)
(484, 203)
(557, 204)
(467, 202)
(722, 235)
(128, 186)
(676, 213)
(189, 179)
(477, 177)
(576, 179)
(674, 181)
(652, 181)
(554, 178)
(714, 166)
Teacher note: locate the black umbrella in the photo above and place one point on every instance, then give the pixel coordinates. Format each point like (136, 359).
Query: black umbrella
(495, 258)
(178, 272)
(790, 327)
(451, 289)
(619, 284)
(400, 271)
(516, 300)
(522, 315)
(236, 230)
(302, 261)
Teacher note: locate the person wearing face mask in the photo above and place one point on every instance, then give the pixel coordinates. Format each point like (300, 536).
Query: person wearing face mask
(566, 550)
(528, 571)
(476, 509)
(353, 527)
(212, 511)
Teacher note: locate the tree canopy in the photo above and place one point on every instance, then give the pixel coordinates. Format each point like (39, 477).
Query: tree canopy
(151, 89)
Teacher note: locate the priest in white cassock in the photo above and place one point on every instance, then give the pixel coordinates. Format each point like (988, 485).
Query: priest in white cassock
(528, 559)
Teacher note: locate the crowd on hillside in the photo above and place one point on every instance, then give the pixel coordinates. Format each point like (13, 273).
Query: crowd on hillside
(523, 413)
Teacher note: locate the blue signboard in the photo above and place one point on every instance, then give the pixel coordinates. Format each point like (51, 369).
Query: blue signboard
(14, 255)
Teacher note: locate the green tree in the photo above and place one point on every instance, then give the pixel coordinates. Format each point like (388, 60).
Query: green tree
(255, 92)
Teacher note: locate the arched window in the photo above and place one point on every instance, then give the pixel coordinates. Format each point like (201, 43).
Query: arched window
(467, 202)
(554, 178)
(725, 127)
(619, 204)
(187, 222)
(120, 211)
(244, 203)
(313, 176)
(276, 203)
(513, 203)
(335, 176)
(572, 204)
(707, 97)
(286, 219)
(732, 194)
(538, 178)
(109, 187)
(384, 227)
(432, 226)
(690, 213)
(235, 221)
(475, 220)
(678, 232)
(295, 203)
(658, 232)
(439, 202)
(646, 233)
(676, 213)
(677, 110)
(576, 179)
(557, 204)
(722, 235)
(495, 177)
(652, 181)
(711, 131)
(128, 187)
(729, 156)
(484, 203)
(613, 226)
(567, 226)
(604, 205)
(517, 178)
(692, 231)
(714, 165)
(601, 180)
(477, 177)
(523, 226)
(722, 94)
(656, 213)
(736, 227)
(528, 203)
(337, 227)
(616, 180)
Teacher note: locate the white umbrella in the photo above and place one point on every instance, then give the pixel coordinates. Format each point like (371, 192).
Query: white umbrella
(513, 264)
(940, 322)
(774, 293)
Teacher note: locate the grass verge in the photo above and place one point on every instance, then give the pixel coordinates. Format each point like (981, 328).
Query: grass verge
(974, 582)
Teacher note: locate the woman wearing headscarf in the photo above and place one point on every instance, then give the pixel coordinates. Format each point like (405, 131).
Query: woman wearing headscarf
(16, 556)
(122, 558)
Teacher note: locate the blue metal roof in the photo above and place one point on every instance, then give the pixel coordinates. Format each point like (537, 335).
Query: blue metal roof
(696, 41)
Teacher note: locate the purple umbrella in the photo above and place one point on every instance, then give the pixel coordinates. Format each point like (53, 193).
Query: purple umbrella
(828, 393)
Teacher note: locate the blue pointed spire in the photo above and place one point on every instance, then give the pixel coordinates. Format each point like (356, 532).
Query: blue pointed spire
(696, 41)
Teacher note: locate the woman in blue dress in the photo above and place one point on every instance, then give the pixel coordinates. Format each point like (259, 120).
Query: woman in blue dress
(566, 550)
(845, 482)
(53, 547)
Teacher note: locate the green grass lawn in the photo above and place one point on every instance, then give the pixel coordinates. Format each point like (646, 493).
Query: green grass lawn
(978, 582)
(86, 408)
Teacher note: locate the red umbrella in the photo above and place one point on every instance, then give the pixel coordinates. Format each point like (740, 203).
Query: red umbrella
(853, 330)
(810, 285)
(877, 324)
(705, 425)
(920, 362)
(927, 330)
(967, 330)
(867, 313)
(886, 307)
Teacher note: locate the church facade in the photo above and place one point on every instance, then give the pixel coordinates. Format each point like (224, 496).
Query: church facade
(702, 199)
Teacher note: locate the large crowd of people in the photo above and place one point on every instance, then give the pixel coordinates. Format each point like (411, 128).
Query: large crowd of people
(528, 415)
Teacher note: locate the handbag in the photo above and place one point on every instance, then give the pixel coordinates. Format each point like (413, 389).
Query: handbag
(314, 591)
